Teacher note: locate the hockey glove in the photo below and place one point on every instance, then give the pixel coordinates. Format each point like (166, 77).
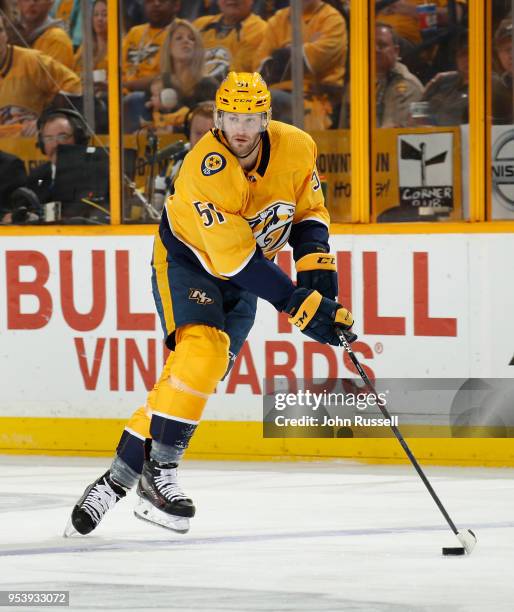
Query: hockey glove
(318, 317)
(318, 271)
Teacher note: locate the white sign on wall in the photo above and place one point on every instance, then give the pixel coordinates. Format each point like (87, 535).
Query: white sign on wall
(80, 337)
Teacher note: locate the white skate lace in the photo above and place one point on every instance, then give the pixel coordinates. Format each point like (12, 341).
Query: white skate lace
(99, 500)
(166, 483)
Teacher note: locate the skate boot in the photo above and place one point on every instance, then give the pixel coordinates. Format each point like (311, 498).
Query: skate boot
(93, 505)
(162, 501)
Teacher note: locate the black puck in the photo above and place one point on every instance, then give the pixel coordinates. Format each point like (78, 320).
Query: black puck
(457, 550)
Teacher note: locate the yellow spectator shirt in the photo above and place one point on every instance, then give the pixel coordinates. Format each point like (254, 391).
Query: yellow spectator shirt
(232, 49)
(141, 53)
(220, 212)
(29, 80)
(325, 43)
(57, 44)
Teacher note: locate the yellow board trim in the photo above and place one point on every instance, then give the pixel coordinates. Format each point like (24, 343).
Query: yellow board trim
(236, 440)
(456, 227)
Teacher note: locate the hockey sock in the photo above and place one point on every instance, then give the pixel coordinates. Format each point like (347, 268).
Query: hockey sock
(164, 453)
(123, 474)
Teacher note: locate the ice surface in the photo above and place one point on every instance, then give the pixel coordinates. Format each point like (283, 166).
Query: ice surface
(271, 537)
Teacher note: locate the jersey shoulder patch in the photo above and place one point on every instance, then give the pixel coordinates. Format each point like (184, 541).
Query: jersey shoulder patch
(212, 163)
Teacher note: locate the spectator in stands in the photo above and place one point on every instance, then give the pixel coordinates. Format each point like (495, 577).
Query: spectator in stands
(99, 28)
(141, 51)
(396, 87)
(502, 96)
(141, 56)
(414, 27)
(55, 127)
(324, 50)
(447, 92)
(58, 129)
(181, 84)
(182, 68)
(43, 33)
(30, 81)
(12, 176)
(231, 37)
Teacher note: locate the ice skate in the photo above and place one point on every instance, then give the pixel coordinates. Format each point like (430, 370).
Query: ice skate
(93, 505)
(162, 502)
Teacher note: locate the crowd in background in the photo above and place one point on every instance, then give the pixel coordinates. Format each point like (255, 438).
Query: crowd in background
(175, 53)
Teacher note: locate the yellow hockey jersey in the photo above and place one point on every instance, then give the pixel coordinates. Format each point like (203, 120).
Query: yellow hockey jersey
(141, 53)
(57, 44)
(325, 43)
(220, 212)
(230, 49)
(29, 80)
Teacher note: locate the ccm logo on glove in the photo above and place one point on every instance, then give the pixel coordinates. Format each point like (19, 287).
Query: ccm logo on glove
(318, 317)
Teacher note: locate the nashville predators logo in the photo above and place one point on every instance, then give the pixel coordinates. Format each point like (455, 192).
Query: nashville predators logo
(200, 296)
(271, 227)
(212, 163)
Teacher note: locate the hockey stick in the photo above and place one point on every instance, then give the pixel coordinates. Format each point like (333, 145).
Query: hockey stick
(467, 538)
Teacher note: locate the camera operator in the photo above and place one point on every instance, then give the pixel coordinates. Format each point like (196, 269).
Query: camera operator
(55, 127)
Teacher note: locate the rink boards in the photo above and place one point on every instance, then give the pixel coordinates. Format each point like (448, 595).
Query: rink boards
(80, 341)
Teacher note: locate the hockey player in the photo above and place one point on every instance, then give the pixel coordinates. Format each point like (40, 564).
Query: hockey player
(249, 187)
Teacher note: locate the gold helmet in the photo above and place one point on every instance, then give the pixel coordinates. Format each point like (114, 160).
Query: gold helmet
(243, 92)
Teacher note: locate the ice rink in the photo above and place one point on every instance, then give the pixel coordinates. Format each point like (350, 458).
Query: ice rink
(318, 536)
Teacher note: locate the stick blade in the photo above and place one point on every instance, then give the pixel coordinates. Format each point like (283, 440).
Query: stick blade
(468, 540)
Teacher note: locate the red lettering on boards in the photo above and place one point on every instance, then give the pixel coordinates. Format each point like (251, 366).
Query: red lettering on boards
(92, 319)
(16, 288)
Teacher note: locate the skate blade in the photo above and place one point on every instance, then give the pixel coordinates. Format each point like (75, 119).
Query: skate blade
(149, 513)
(69, 530)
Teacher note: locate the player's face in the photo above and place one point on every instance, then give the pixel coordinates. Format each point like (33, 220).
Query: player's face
(199, 126)
(242, 131)
(33, 11)
(56, 132)
(100, 18)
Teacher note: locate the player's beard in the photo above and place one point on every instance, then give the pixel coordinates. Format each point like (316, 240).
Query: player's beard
(242, 146)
